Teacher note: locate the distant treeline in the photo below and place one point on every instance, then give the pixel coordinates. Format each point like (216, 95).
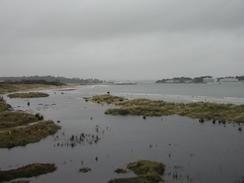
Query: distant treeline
(183, 80)
(56, 83)
(201, 79)
(48, 80)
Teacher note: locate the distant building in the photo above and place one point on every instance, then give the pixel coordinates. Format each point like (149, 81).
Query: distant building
(208, 80)
(228, 80)
(125, 83)
(172, 81)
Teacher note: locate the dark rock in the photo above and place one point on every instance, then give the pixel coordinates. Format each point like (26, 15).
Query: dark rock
(85, 170)
(121, 170)
(201, 120)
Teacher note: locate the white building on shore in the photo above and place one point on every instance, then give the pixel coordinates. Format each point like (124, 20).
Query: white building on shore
(208, 80)
(229, 80)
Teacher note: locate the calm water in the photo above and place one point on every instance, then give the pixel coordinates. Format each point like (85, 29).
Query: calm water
(195, 152)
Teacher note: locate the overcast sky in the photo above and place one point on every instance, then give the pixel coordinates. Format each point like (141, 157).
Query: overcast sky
(122, 39)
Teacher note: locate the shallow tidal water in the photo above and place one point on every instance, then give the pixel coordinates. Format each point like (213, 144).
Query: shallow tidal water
(192, 151)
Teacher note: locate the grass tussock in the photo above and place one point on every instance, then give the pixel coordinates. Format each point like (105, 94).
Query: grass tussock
(199, 110)
(27, 171)
(21, 181)
(10, 119)
(105, 99)
(147, 172)
(28, 95)
(20, 128)
(29, 134)
(3, 105)
(143, 167)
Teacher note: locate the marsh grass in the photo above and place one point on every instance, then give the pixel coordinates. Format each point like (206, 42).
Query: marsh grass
(10, 119)
(105, 99)
(147, 172)
(27, 171)
(144, 167)
(28, 134)
(3, 105)
(20, 128)
(28, 95)
(14, 87)
(198, 110)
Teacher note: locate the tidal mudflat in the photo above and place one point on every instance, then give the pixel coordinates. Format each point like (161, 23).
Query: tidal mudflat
(190, 150)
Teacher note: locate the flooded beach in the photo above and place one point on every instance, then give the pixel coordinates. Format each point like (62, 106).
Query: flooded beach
(125, 91)
(191, 151)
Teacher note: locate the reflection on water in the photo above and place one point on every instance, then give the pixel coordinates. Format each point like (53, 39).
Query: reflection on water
(192, 151)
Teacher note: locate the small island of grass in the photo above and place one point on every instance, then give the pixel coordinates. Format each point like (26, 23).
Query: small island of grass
(28, 134)
(3, 105)
(105, 99)
(198, 110)
(84, 170)
(10, 119)
(27, 171)
(7, 87)
(146, 171)
(28, 95)
(20, 128)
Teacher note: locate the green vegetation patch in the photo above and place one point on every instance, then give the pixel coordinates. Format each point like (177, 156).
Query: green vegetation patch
(147, 172)
(144, 167)
(3, 105)
(20, 128)
(199, 110)
(14, 87)
(29, 134)
(27, 171)
(10, 119)
(21, 181)
(85, 170)
(105, 99)
(135, 180)
(121, 171)
(28, 95)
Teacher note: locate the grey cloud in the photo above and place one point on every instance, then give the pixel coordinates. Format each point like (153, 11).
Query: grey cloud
(104, 18)
(89, 37)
